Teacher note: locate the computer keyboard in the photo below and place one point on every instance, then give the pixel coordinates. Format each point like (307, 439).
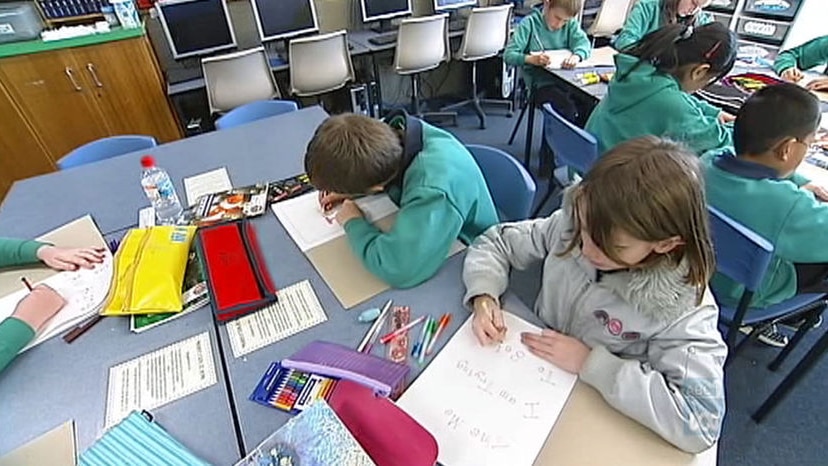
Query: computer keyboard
(384, 39)
(179, 75)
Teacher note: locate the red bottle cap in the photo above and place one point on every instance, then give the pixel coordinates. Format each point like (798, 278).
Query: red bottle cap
(147, 161)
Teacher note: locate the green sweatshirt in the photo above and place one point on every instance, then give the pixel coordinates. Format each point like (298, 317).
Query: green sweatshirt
(806, 56)
(443, 196)
(14, 333)
(792, 219)
(645, 18)
(533, 35)
(649, 102)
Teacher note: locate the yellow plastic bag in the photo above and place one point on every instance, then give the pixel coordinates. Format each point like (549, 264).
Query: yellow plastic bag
(149, 270)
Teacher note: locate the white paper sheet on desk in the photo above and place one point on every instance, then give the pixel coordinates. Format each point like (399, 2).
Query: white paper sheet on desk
(214, 181)
(308, 226)
(488, 405)
(603, 56)
(84, 291)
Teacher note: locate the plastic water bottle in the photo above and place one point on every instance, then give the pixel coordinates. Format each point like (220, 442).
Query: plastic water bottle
(160, 191)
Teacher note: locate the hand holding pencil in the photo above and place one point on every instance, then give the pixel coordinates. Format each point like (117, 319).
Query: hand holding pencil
(39, 306)
(487, 322)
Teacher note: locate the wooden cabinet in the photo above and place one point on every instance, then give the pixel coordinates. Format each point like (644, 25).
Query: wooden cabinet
(54, 101)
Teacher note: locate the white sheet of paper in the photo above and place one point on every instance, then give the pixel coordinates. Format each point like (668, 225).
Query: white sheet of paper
(824, 122)
(308, 226)
(146, 217)
(84, 291)
(159, 377)
(298, 309)
(214, 181)
(488, 405)
(603, 56)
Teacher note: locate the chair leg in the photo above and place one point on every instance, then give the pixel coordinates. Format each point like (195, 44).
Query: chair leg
(805, 365)
(517, 124)
(809, 323)
(530, 129)
(415, 94)
(754, 334)
(476, 98)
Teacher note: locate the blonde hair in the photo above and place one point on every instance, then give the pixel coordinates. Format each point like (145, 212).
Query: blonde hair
(573, 7)
(653, 190)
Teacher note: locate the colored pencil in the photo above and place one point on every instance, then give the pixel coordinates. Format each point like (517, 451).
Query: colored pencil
(432, 322)
(390, 336)
(26, 282)
(76, 332)
(444, 321)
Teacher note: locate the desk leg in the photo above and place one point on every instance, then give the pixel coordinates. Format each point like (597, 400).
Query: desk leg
(805, 365)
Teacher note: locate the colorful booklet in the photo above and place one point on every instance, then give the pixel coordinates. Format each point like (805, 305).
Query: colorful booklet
(234, 204)
(288, 188)
(316, 437)
(194, 295)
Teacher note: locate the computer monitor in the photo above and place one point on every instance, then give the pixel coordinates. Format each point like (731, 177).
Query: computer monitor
(282, 19)
(446, 5)
(384, 10)
(196, 27)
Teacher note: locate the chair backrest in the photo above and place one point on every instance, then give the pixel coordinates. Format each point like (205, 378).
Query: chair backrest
(238, 78)
(741, 255)
(255, 111)
(105, 148)
(511, 186)
(487, 30)
(610, 18)
(422, 44)
(320, 63)
(572, 146)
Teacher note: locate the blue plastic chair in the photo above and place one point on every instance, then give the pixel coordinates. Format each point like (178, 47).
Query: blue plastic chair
(511, 186)
(105, 148)
(571, 147)
(255, 111)
(744, 257)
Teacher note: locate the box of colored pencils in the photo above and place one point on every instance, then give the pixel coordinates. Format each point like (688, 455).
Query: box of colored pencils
(291, 390)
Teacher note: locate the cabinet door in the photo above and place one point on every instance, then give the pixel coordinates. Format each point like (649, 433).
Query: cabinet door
(22, 155)
(50, 92)
(129, 89)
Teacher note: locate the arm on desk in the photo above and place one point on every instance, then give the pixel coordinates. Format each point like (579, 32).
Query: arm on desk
(514, 54)
(692, 126)
(18, 252)
(577, 41)
(14, 336)
(807, 55)
(636, 25)
(679, 391)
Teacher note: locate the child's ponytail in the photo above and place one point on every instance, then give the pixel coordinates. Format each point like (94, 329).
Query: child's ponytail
(676, 45)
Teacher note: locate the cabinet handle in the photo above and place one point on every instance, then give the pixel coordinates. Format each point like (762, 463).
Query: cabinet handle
(91, 68)
(71, 76)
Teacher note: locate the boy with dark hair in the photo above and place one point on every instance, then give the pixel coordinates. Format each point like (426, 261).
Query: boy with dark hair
(772, 135)
(428, 173)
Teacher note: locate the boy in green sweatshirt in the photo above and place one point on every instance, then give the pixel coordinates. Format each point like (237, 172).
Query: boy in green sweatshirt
(42, 303)
(651, 91)
(790, 63)
(429, 174)
(755, 188)
(650, 15)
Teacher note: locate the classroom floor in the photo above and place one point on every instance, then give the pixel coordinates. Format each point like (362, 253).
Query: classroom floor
(792, 434)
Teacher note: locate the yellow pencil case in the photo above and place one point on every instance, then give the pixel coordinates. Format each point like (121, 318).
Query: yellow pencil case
(149, 270)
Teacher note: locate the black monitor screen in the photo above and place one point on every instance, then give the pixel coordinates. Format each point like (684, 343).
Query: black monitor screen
(196, 27)
(378, 9)
(284, 18)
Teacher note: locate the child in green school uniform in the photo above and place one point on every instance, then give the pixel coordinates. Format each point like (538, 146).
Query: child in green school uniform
(651, 91)
(650, 15)
(754, 185)
(429, 174)
(790, 63)
(42, 303)
(552, 28)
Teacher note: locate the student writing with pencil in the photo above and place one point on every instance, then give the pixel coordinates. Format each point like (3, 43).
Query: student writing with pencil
(42, 303)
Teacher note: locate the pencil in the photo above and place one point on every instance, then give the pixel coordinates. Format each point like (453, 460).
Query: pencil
(76, 332)
(444, 321)
(26, 282)
(375, 327)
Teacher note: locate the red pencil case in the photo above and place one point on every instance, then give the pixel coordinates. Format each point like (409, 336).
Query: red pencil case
(236, 276)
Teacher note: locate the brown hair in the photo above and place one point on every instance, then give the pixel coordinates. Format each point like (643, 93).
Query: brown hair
(669, 14)
(573, 7)
(652, 189)
(351, 153)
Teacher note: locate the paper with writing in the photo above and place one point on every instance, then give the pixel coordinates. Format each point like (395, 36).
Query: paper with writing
(159, 377)
(488, 405)
(603, 56)
(214, 181)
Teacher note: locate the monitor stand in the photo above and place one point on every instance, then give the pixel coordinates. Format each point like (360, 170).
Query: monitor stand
(456, 21)
(189, 62)
(277, 49)
(383, 26)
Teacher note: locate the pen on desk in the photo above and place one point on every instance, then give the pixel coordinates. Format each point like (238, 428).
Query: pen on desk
(76, 332)
(390, 336)
(419, 342)
(375, 327)
(26, 282)
(444, 321)
(429, 331)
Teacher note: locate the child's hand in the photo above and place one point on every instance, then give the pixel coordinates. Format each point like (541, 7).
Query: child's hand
(329, 200)
(39, 306)
(70, 258)
(725, 117)
(570, 62)
(820, 84)
(537, 59)
(792, 75)
(349, 210)
(819, 192)
(566, 352)
(487, 322)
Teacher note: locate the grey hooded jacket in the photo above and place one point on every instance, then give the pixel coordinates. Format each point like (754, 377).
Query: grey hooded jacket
(656, 356)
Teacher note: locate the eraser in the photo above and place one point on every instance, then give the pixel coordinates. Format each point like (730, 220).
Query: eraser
(369, 315)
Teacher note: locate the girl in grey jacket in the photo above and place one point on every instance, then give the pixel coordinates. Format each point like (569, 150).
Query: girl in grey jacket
(626, 262)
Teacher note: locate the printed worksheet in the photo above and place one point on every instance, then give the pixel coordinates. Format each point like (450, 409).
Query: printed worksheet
(603, 56)
(309, 226)
(523, 397)
(159, 377)
(298, 309)
(214, 181)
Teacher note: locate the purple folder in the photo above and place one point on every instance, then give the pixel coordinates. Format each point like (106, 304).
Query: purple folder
(330, 359)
